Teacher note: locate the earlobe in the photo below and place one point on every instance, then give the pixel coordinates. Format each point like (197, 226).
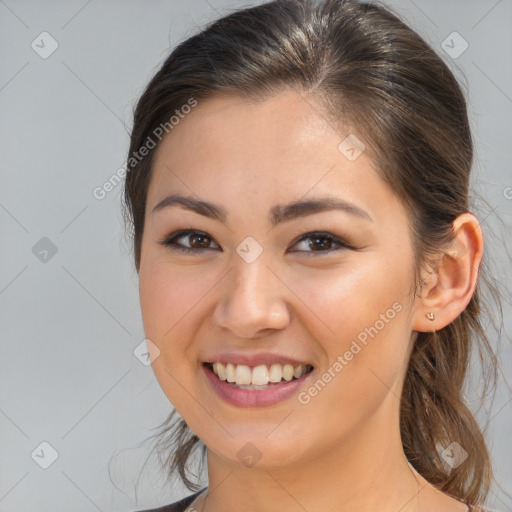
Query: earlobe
(448, 291)
(431, 316)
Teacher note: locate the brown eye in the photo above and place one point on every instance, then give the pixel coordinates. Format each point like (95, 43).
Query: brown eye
(198, 241)
(321, 242)
(316, 242)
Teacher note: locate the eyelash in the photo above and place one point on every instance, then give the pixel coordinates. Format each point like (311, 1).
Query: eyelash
(171, 240)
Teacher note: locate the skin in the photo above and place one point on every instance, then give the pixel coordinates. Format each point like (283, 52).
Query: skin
(342, 450)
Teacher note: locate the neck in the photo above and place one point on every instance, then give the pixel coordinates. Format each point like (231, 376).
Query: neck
(365, 472)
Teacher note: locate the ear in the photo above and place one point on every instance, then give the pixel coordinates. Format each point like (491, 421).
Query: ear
(447, 291)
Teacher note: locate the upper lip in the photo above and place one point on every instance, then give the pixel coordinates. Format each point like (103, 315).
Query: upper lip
(255, 359)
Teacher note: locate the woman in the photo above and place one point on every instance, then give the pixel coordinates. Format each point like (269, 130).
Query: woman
(309, 267)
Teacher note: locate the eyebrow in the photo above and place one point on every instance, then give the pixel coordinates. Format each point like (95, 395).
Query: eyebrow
(278, 213)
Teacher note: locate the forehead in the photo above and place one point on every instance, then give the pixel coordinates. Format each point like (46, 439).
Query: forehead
(262, 152)
(249, 134)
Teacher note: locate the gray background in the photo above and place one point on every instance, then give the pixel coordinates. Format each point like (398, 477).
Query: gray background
(70, 320)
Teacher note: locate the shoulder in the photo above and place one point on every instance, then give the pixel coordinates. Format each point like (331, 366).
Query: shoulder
(177, 506)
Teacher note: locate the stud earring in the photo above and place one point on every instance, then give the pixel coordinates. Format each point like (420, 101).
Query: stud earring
(430, 315)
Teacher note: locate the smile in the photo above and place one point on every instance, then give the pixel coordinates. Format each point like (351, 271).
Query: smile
(257, 377)
(251, 386)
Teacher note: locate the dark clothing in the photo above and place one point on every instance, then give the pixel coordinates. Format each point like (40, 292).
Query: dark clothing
(177, 506)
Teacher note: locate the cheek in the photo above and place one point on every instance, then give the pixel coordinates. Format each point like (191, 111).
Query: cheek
(167, 296)
(360, 319)
(362, 381)
(170, 298)
(341, 302)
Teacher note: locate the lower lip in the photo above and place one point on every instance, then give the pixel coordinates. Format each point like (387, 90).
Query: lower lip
(254, 397)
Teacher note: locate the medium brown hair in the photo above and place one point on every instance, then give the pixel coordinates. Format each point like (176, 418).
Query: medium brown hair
(372, 72)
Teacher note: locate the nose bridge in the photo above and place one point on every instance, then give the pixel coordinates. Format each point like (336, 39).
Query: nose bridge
(251, 279)
(252, 299)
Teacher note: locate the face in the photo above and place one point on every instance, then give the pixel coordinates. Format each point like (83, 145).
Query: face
(284, 250)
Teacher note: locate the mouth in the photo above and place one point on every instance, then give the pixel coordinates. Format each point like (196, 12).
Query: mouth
(261, 385)
(258, 377)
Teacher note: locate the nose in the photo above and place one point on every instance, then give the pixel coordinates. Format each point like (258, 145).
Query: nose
(252, 301)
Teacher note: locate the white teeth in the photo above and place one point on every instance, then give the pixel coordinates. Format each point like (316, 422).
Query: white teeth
(288, 372)
(242, 374)
(276, 373)
(221, 371)
(260, 375)
(297, 371)
(230, 372)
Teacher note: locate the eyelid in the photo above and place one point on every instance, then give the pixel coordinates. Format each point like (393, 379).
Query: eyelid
(340, 242)
(170, 241)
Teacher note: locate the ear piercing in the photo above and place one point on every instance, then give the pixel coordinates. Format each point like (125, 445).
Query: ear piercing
(430, 315)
